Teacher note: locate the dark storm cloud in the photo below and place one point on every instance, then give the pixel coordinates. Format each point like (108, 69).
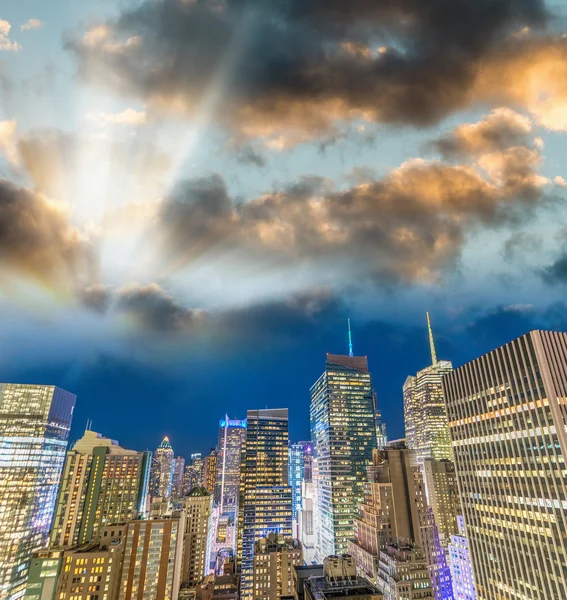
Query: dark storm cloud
(408, 226)
(289, 69)
(556, 273)
(37, 241)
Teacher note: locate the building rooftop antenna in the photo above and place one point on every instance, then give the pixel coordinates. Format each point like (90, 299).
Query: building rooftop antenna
(431, 341)
(350, 352)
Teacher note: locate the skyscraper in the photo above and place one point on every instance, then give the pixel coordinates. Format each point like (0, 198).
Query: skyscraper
(300, 458)
(102, 484)
(232, 433)
(427, 429)
(460, 563)
(161, 480)
(210, 471)
(265, 497)
(343, 430)
(507, 413)
(198, 505)
(178, 472)
(34, 428)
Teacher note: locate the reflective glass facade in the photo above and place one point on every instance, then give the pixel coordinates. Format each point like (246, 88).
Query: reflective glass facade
(300, 459)
(163, 466)
(232, 433)
(343, 431)
(34, 428)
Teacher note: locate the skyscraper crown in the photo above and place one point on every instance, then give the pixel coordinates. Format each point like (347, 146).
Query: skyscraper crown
(165, 444)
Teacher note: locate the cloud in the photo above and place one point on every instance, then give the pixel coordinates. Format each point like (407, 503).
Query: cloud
(556, 273)
(521, 244)
(31, 24)
(8, 145)
(293, 71)
(6, 43)
(408, 226)
(129, 116)
(37, 241)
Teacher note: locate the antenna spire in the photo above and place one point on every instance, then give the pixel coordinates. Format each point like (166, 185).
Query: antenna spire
(431, 342)
(350, 353)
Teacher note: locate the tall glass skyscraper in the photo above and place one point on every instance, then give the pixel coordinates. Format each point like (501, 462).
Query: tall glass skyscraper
(162, 471)
(232, 433)
(507, 414)
(34, 429)
(265, 496)
(102, 484)
(343, 430)
(427, 428)
(300, 459)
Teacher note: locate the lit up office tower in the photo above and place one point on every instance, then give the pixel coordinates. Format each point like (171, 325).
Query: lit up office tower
(102, 483)
(210, 471)
(507, 413)
(194, 472)
(161, 479)
(343, 431)
(306, 522)
(427, 428)
(153, 559)
(274, 559)
(232, 433)
(264, 505)
(460, 563)
(403, 573)
(198, 505)
(178, 472)
(300, 454)
(34, 428)
(381, 434)
(443, 497)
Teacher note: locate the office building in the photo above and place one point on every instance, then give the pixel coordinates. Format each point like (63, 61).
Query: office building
(301, 573)
(178, 472)
(264, 505)
(381, 434)
(507, 414)
(274, 559)
(93, 569)
(232, 434)
(300, 458)
(306, 523)
(194, 473)
(226, 587)
(34, 428)
(102, 483)
(443, 496)
(43, 577)
(153, 559)
(343, 431)
(161, 479)
(460, 563)
(403, 573)
(427, 428)
(210, 471)
(339, 580)
(198, 505)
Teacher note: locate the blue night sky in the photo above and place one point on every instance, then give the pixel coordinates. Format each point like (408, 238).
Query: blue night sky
(195, 195)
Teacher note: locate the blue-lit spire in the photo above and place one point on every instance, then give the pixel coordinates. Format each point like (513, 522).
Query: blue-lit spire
(350, 352)
(431, 342)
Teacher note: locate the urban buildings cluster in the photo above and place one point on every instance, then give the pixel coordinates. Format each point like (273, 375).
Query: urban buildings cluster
(471, 505)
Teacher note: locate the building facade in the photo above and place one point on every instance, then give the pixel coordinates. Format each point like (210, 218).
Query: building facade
(460, 562)
(403, 573)
(507, 413)
(198, 505)
(274, 559)
(210, 471)
(264, 505)
(177, 491)
(343, 430)
(306, 522)
(102, 484)
(161, 479)
(300, 457)
(232, 435)
(34, 428)
(425, 415)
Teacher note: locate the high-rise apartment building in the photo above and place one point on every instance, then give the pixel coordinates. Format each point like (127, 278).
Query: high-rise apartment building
(34, 428)
(343, 430)
(427, 428)
(153, 559)
(403, 573)
(178, 472)
(232, 434)
(300, 456)
(265, 497)
(274, 559)
(161, 479)
(460, 563)
(210, 471)
(507, 414)
(198, 505)
(102, 483)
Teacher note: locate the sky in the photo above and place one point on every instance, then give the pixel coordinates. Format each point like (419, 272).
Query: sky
(195, 196)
